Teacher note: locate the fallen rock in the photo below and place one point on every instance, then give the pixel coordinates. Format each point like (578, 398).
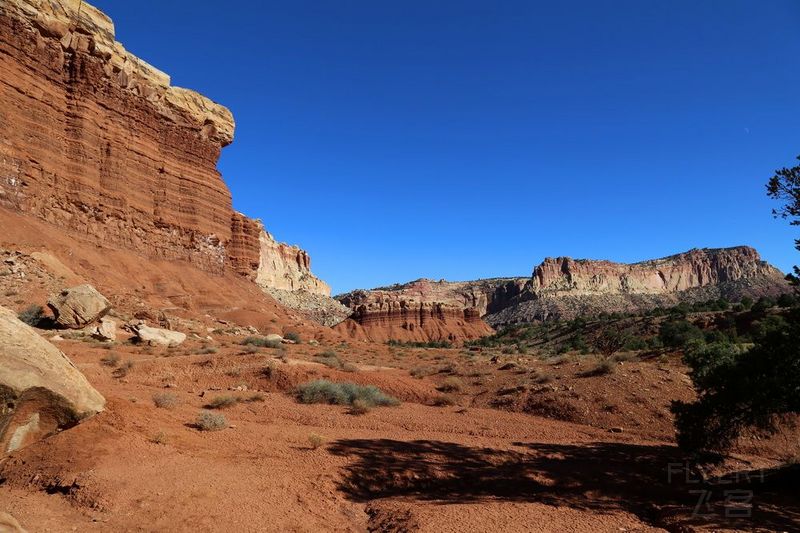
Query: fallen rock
(78, 307)
(152, 336)
(41, 391)
(106, 330)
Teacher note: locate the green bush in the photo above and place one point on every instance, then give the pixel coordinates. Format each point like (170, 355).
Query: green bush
(679, 333)
(32, 315)
(292, 336)
(324, 391)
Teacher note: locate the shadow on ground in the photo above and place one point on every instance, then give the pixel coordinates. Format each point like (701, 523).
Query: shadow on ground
(646, 480)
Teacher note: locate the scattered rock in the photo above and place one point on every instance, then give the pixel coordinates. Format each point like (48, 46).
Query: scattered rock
(78, 307)
(41, 391)
(106, 330)
(157, 336)
(616, 430)
(274, 337)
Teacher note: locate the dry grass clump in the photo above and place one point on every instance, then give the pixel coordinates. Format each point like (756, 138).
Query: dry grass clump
(208, 421)
(602, 368)
(159, 438)
(111, 360)
(451, 384)
(123, 370)
(443, 401)
(315, 441)
(261, 342)
(166, 400)
(420, 372)
(221, 402)
(359, 407)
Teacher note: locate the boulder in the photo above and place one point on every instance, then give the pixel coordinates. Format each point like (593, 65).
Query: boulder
(106, 330)
(274, 337)
(9, 524)
(41, 391)
(78, 306)
(162, 337)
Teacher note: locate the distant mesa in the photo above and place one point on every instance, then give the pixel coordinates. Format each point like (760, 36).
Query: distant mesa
(563, 288)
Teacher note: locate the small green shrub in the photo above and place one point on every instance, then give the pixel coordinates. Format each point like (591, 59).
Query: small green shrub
(32, 315)
(292, 336)
(208, 421)
(324, 391)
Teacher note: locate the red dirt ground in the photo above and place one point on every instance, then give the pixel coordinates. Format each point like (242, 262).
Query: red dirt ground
(513, 443)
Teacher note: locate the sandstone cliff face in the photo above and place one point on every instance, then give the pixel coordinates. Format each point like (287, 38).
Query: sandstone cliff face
(692, 269)
(566, 288)
(96, 141)
(410, 315)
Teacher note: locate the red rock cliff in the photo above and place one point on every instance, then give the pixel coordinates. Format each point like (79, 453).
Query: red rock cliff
(96, 141)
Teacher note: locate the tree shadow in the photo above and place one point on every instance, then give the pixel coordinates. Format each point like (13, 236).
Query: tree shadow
(650, 481)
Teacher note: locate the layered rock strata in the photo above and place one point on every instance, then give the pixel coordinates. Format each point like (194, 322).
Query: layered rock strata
(566, 288)
(98, 142)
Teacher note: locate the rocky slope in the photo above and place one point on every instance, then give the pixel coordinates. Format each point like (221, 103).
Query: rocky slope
(565, 288)
(100, 144)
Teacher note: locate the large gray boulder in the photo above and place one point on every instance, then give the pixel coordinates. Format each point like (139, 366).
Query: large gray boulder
(41, 391)
(78, 307)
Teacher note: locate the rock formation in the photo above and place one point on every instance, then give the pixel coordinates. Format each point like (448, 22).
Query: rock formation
(422, 310)
(78, 307)
(565, 288)
(99, 143)
(41, 391)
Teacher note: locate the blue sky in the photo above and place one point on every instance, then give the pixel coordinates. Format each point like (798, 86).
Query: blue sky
(458, 139)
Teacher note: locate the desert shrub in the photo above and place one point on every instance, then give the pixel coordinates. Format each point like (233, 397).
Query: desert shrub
(443, 401)
(679, 333)
(451, 384)
(111, 359)
(221, 402)
(206, 350)
(787, 300)
(602, 368)
(635, 344)
(739, 389)
(209, 421)
(292, 336)
(420, 372)
(256, 397)
(324, 391)
(315, 441)
(159, 438)
(261, 342)
(32, 315)
(418, 344)
(609, 341)
(165, 400)
(123, 370)
(359, 407)
(331, 361)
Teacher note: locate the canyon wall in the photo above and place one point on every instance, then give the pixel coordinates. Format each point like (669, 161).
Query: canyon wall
(100, 144)
(419, 311)
(566, 288)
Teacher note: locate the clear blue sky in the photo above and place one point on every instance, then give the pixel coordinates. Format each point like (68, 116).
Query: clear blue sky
(460, 139)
